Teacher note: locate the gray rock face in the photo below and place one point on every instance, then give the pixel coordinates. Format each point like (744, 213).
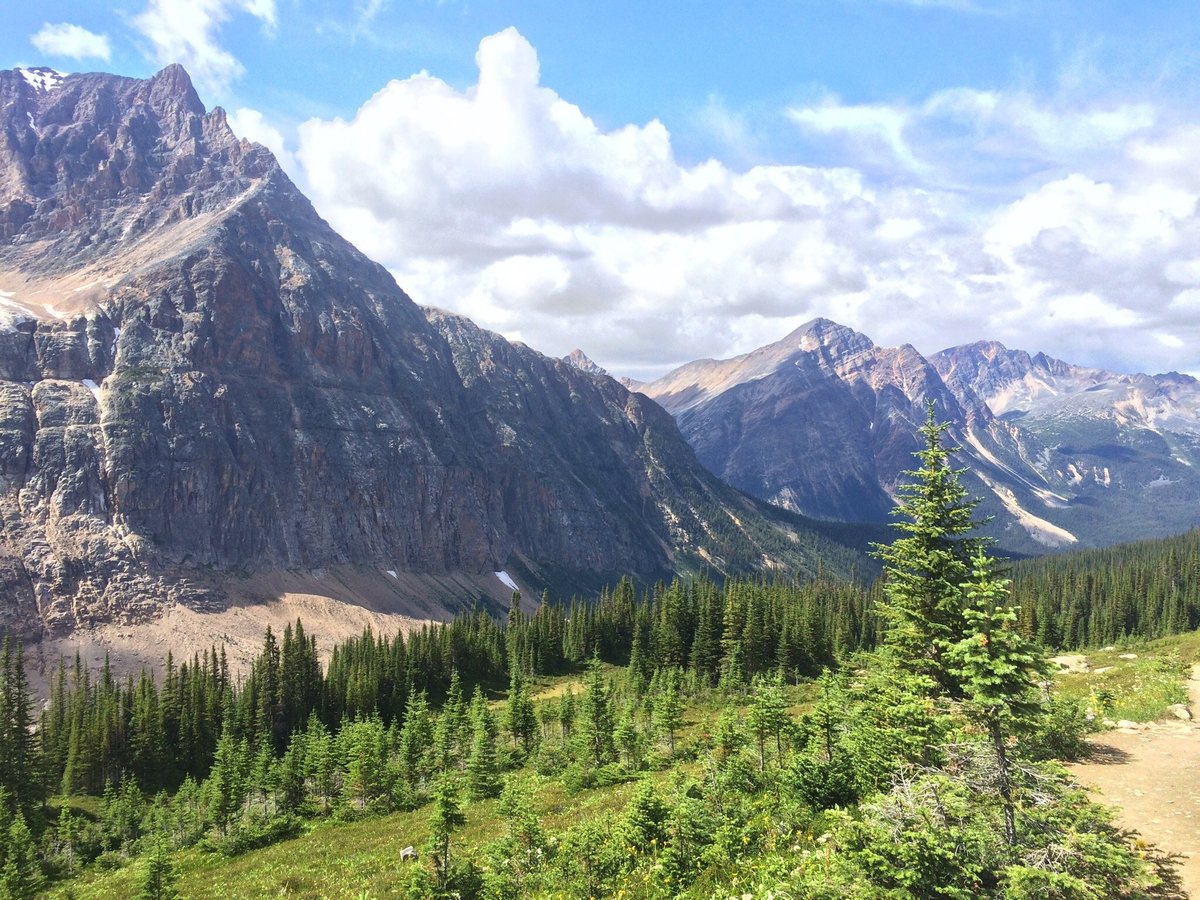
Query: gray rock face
(200, 380)
(583, 363)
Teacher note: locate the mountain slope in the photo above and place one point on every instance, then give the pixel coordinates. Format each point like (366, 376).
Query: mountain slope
(1125, 448)
(824, 422)
(202, 383)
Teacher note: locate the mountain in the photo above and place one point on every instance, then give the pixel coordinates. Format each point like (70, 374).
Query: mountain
(1124, 448)
(208, 397)
(581, 361)
(824, 422)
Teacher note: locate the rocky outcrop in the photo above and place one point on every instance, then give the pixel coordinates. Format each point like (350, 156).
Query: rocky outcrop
(202, 381)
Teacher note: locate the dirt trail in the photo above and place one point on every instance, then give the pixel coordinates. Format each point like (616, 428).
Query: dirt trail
(1151, 775)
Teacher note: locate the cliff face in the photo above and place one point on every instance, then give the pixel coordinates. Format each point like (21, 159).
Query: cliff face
(200, 380)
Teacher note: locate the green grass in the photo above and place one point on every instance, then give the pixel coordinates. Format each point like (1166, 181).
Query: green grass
(355, 859)
(361, 859)
(1139, 689)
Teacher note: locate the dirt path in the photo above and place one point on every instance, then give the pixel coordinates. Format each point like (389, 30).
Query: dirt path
(1151, 774)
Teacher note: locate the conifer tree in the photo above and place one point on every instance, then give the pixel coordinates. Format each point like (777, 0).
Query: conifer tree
(225, 785)
(21, 876)
(997, 668)
(768, 716)
(446, 818)
(627, 738)
(158, 878)
(925, 568)
(668, 710)
(416, 736)
(519, 716)
(566, 712)
(829, 712)
(17, 773)
(321, 761)
(483, 775)
(595, 716)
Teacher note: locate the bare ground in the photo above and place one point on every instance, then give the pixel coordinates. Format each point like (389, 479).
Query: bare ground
(334, 605)
(1151, 775)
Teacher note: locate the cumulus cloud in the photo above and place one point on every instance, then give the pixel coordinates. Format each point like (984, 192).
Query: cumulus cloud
(74, 41)
(253, 126)
(506, 202)
(187, 32)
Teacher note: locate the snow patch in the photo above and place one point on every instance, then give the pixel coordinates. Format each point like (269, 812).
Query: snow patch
(42, 79)
(392, 572)
(93, 387)
(808, 343)
(11, 313)
(112, 351)
(507, 581)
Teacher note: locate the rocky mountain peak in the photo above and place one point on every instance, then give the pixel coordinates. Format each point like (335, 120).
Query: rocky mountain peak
(92, 161)
(42, 78)
(825, 333)
(581, 361)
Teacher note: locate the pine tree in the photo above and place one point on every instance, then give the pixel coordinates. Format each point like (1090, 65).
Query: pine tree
(628, 739)
(595, 716)
(668, 710)
(829, 713)
(519, 716)
(361, 748)
(483, 768)
(21, 876)
(17, 774)
(768, 716)
(225, 785)
(445, 818)
(158, 879)
(566, 712)
(925, 568)
(997, 668)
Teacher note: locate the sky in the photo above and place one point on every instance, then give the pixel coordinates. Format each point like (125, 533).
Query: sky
(660, 182)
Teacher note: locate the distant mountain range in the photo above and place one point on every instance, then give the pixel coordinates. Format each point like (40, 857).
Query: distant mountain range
(203, 387)
(823, 422)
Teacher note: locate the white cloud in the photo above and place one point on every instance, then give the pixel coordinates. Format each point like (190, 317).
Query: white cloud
(966, 136)
(872, 121)
(187, 31)
(251, 125)
(506, 202)
(75, 41)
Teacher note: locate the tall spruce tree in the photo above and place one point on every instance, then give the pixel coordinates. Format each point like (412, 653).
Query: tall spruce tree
(925, 568)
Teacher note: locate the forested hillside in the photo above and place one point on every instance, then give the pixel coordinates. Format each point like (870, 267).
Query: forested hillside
(1094, 597)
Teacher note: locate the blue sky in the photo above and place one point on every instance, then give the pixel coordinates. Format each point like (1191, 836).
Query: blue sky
(656, 182)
